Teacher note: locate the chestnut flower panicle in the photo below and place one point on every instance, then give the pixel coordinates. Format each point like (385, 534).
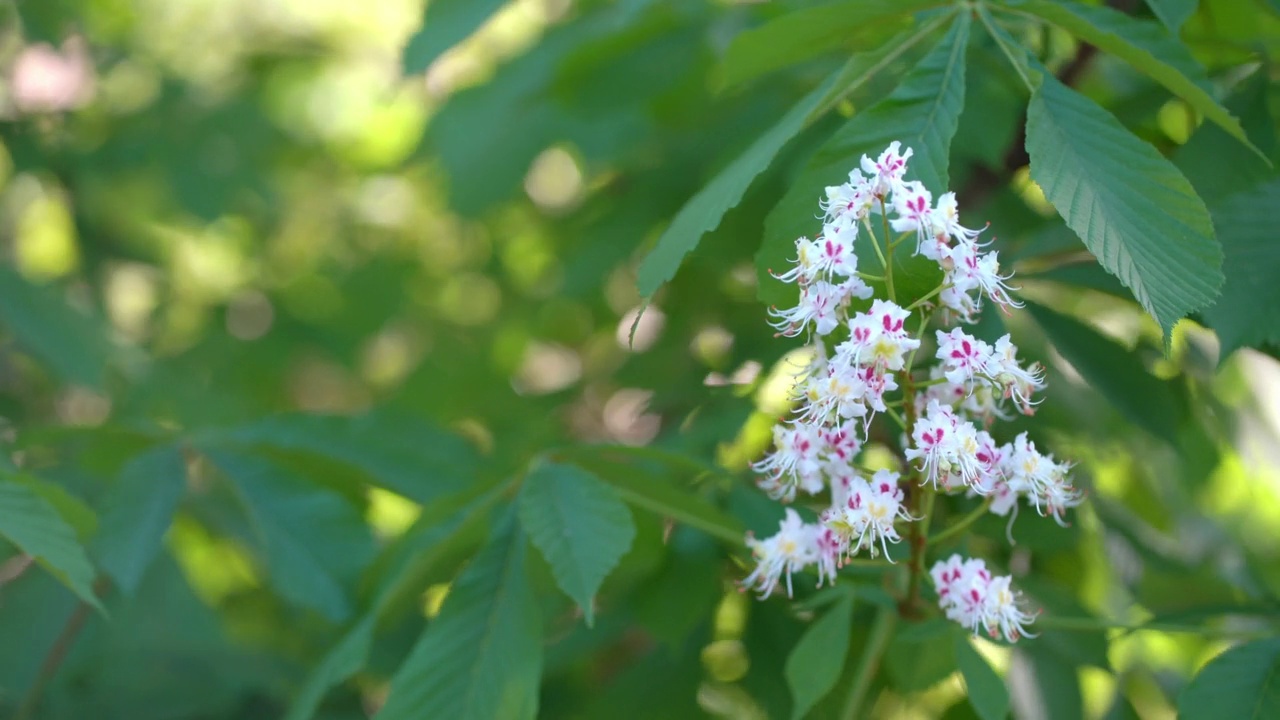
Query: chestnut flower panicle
(864, 367)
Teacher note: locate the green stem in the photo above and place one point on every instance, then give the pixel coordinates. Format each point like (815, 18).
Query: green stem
(896, 417)
(926, 298)
(962, 524)
(881, 631)
(931, 383)
(871, 278)
(875, 244)
(889, 245)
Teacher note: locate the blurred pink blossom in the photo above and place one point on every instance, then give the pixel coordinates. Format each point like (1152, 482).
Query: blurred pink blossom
(46, 80)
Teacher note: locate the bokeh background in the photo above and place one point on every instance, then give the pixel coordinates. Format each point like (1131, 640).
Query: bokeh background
(400, 261)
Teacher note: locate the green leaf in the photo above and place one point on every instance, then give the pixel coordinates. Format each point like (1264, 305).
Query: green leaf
(656, 493)
(922, 654)
(312, 537)
(136, 514)
(72, 509)
(578, 524)
(35, 527)
(815, 664)
(1242, 683)
(1150, 402)
(809, 32)
(447, 23)
(418, 558)
(1043, 685)
(986, 691)
(1248, 312)
(1148, 47)
(1215, 163)
(922, 113)
(1130, 205)
(1173, 13)
(481, 658)
(345, 659)
(72, 343)
(703, 212)
(402, 453)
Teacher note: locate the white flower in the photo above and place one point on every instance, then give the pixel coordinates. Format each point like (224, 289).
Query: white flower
(947, 446)
(835, 249)
(912, 202)
(1001, 615)
(837, 392)
(868, 513)
(820, 304)
(972, 597)
(1018, 383)
(794, 462)
(878, 337)
(886, 171)
(946, 220)
(806, 268)
(987, 275)
(790, 551)
(963, 356)
(849, 201)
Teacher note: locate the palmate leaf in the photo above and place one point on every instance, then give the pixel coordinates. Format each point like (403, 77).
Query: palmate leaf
(578, 524)
(1248, 312)
(1148, 47)
(35, 527)
(922, 113)
(807, 33)
(481, 657)
(814, 665)
(1242, 683)
(1131, 207)
(704, 211)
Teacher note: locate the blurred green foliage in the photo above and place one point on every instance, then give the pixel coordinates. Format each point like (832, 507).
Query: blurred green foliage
(296, 292)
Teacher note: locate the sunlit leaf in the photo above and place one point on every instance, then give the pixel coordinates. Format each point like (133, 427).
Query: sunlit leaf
(579, 524)
(987, 693)
(481, 657)
(922, 113)
(1146, 46)
(1243, 682)
(1130, 206)
(807, 33)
